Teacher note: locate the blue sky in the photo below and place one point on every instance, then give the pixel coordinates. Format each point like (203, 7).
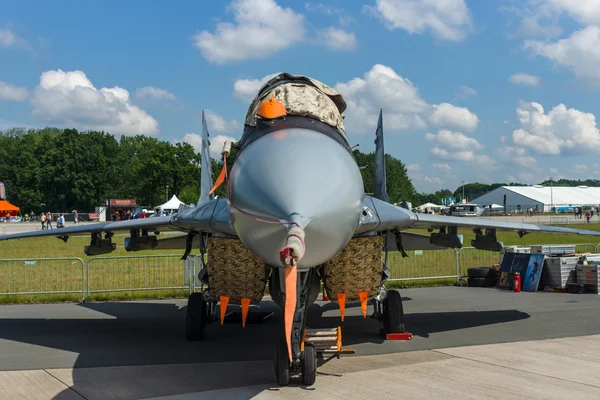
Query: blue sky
(488, 91)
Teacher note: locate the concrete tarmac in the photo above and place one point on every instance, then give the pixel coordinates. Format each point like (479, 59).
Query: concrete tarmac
(468, 343)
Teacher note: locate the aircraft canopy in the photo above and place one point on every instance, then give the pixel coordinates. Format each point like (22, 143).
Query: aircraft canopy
(302, 96)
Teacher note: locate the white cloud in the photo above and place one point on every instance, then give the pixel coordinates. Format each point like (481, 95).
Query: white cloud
(70, 97)
(445, 167)
(466, 91)
(154, 93)
(433, 179)
(381, 87)
(10, 92)
(216, 143)
(524, 79)
(580, 167)
(527, 177)
(343, 17)
(446, 19)
(579, 52)
(447, 115)
(584, 11)
(8, 38)
(511, 155)
(413, 168)
(561, 131)
(465, 155)
(247, 89)
(217, 123)
(261, 28)
(453, 140)
(337, 39)
(554, 170)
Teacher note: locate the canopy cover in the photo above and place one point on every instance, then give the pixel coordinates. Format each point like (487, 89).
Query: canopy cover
(6, 206)
(302, 96)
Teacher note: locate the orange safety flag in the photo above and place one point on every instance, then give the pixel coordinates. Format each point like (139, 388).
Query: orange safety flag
(224, 301)
(291, 278)
(364, 296)
(221, 177)
(342, 302)
(245, 307)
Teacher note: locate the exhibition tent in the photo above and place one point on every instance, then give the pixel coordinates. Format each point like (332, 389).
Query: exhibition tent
(6, 206)
(169, 207)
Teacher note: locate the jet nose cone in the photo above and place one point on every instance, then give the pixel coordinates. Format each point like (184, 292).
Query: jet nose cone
(296, 171)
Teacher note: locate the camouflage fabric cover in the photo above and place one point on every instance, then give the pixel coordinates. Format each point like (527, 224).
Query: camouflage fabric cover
(234, 271)
(355, 269)
(302, 96)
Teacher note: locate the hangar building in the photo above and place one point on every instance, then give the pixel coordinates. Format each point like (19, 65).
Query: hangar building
(540, 198)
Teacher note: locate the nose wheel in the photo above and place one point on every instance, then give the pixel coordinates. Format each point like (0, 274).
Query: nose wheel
(197, 316)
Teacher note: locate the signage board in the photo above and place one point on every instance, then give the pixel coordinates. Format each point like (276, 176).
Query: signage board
(122, 202)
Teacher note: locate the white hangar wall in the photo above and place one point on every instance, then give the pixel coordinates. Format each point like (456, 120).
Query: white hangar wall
(514, 201)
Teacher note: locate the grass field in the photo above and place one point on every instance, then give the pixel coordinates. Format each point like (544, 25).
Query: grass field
(155, 269)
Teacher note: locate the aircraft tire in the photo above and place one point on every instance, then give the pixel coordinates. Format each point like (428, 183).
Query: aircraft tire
(393, 313)
(195, 321)
(282, 364)
(309, 364)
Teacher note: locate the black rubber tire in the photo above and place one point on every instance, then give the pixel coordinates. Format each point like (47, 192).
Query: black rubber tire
(393, 313)
(282, 364)
(490, 282)
(481, 272)
(196, 318)
(476, 282)
(309, 364)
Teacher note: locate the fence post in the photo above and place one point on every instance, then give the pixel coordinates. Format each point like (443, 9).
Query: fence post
(458, 272)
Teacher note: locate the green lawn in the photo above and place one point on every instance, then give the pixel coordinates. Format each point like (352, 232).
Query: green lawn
(155, 269)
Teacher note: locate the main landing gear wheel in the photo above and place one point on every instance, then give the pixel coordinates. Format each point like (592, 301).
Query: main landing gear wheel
(393, 313)
(309, 364)
(196, 317)
(282, 364)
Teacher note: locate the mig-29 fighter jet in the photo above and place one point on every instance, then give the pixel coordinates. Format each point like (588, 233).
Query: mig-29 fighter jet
(295, 216)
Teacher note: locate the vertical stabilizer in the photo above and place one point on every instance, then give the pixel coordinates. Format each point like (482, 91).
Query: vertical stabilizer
(379, 183)
(206, 178)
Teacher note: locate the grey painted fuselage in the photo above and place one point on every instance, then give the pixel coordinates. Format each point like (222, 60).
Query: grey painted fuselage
(301, 175)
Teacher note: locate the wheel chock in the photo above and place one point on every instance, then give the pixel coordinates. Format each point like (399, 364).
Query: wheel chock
(396, 336)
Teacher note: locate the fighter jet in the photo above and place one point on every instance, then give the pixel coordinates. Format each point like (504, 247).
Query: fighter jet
(295, 217)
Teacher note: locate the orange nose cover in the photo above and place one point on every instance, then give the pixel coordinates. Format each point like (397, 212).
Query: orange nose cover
(291, 279)
(271, 108)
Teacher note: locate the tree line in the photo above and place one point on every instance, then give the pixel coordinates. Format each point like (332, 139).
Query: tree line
(62, 169)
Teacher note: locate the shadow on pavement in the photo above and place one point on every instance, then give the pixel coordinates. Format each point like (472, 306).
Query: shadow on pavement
(152, 335)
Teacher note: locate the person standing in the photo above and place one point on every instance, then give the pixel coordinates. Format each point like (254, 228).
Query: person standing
(74, 215)
(49, 221)
(61, 221)
(43, 219)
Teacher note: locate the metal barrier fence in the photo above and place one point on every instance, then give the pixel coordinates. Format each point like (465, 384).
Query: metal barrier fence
(133, 273)
(37, 276)
(27, 276)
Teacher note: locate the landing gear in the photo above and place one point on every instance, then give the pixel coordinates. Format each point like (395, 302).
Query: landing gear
(304, 356)
(309, 364)
(282, 363)
(393, 313)
(196, 317)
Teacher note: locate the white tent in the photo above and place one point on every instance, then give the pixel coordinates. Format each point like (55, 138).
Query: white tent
(169, 207)
(428, 205)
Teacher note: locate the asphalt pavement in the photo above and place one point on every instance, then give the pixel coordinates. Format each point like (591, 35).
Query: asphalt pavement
(133, 350)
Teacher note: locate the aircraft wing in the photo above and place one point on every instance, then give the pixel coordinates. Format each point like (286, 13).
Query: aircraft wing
(210, 217)
(380, 216)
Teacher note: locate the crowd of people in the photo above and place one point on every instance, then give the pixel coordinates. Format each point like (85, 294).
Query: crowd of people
(46, 220)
